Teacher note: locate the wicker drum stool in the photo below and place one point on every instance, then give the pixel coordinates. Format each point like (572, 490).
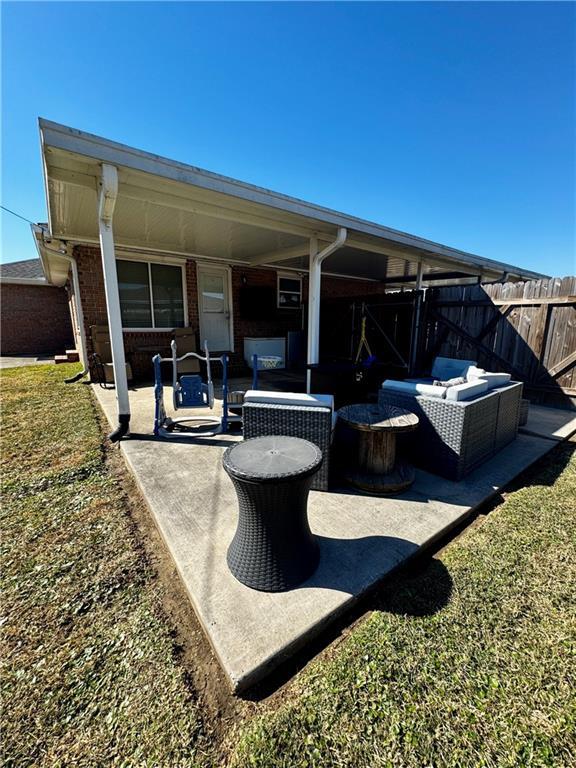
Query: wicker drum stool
(273, 548)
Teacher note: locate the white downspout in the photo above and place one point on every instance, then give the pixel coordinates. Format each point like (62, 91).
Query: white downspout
(106, 202)
(314, 292)
(79, 317)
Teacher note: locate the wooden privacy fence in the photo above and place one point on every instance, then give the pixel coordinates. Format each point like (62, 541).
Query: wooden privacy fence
(527, 329)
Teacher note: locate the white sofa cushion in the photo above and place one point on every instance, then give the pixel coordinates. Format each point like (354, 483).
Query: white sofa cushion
(292, 398)
(474, 373)
(495, 379)
(445, 368)
(289, 398)
(414, 388)
(466, 391)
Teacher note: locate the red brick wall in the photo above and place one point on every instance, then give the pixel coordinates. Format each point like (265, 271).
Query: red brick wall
(94, 306)
(279, 324)
(284, 320)
(34, 319)
(139, 346)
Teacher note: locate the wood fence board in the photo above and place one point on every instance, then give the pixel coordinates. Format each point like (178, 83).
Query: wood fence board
(529, 327)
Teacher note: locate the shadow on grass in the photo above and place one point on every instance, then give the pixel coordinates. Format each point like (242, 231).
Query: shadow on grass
(421, 587)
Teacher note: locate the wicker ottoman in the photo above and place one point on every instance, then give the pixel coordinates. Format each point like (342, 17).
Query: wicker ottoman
(306, 422)
(273, 548)
(523, 414)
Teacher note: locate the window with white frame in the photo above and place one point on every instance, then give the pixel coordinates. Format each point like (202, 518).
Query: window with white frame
(289, 291)
(151, 295)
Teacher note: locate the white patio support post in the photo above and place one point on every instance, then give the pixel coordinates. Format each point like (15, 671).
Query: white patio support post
(314, 293)
(416, 323)
(106, 202)
(314, 271)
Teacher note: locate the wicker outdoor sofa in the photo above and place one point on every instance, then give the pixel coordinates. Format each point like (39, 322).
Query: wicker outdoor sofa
(456, 436)
(310, 417)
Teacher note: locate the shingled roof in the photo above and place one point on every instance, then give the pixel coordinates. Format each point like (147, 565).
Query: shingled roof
(30, 269)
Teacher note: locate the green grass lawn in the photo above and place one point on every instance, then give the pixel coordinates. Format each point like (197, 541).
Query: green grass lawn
(89, 674)
(486, 680)
(468, 661)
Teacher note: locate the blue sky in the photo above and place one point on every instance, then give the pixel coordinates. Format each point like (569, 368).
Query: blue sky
(453, 121)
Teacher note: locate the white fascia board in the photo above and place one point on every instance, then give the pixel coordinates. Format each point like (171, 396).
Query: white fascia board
(45, 177)
(106, 151)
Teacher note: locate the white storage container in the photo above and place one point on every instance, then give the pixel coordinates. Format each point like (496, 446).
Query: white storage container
(270, 347)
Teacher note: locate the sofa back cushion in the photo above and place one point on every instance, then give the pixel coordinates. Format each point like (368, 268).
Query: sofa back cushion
(495, 379)
(445, 368)
(492, 379)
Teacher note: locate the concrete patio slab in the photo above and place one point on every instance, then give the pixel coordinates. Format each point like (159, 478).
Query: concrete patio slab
(362, 538)
(552, 423)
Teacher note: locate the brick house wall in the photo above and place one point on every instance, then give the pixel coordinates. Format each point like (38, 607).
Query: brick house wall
(34, 319)
(138, 345)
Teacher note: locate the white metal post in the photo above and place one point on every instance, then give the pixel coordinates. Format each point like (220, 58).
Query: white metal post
(419, 275)
(416, 320)
(106, 202)
(314, 293)
(314, 284)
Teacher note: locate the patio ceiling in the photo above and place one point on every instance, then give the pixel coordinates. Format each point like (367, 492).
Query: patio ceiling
(167, 207)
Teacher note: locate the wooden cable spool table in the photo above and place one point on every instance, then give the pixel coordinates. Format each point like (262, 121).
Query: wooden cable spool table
(377, 469)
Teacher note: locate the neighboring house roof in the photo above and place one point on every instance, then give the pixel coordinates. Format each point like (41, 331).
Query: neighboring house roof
(164, 206)
(27, 272)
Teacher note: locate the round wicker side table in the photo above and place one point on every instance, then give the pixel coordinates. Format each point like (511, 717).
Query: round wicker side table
(273, 548)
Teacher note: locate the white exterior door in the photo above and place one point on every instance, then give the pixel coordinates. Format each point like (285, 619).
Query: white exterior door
(214, 308)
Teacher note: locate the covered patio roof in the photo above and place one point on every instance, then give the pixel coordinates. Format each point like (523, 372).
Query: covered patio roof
(99, 191)
(163, 206)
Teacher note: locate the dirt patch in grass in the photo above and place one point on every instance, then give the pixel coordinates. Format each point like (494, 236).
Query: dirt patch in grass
(191, 647)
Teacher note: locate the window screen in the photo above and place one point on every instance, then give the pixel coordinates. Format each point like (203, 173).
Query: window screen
(134, 291)
(140, 307)
(167, 296)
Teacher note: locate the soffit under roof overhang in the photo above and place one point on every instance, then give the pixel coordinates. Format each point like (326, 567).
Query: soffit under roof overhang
(167, 207)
